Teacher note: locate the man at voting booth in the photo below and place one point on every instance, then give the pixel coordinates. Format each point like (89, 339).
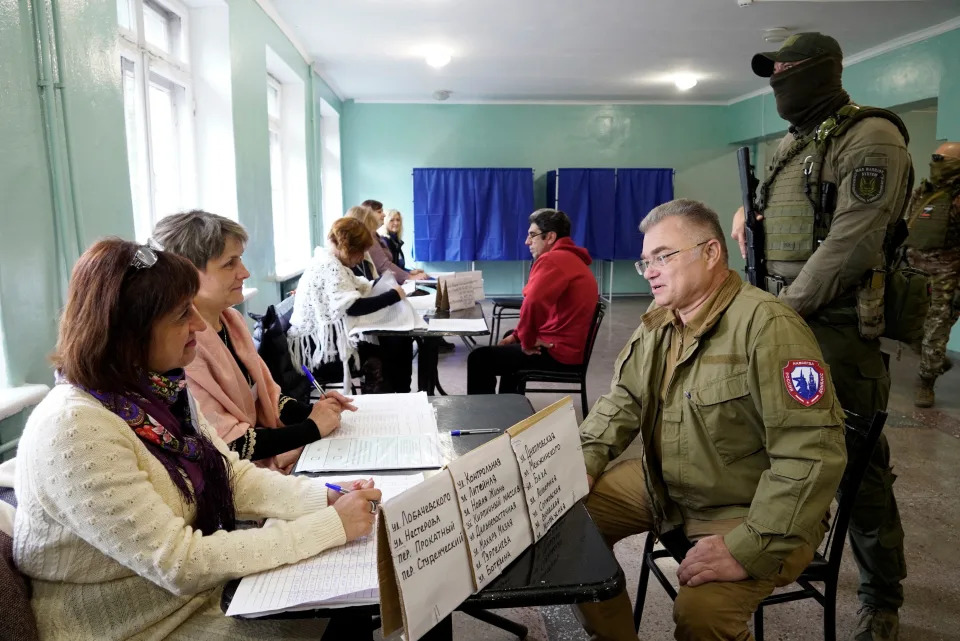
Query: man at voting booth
(742, 433)
(558, 306)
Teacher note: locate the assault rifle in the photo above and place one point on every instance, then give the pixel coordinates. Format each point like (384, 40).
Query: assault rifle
(756, 268)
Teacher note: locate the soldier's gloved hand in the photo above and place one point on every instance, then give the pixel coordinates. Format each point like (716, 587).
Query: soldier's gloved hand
(709, 560)
(739, 232)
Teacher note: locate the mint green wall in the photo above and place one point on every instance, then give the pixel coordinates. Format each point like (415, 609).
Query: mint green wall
(384, 142)
(915, 73)
(28, 274)
(29, 288)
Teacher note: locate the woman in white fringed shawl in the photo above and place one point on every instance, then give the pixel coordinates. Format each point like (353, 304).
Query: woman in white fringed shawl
(328, 297)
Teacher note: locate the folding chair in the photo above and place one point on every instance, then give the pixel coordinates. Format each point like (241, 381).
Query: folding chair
(861, 435)
(575, 375)
(503, 308)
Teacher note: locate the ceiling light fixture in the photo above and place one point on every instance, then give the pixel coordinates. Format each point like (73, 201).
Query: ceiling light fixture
(685, 81)
(776, 34)
(438, 58)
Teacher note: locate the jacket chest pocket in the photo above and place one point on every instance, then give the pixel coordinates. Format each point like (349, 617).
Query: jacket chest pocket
(725, 412)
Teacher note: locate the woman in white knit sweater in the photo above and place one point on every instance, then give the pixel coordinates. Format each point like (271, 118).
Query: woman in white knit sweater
(127, 499)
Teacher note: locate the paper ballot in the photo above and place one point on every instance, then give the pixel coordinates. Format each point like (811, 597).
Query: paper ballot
(457, 325)
(338, 577)
(399, 317)
(387, 432)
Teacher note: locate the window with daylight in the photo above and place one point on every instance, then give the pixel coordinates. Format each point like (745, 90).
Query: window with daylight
(286, 132)
(3, 361)
(158, 111)
(330, 181)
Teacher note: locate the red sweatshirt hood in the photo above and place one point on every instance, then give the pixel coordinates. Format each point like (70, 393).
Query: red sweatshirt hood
(566, 245)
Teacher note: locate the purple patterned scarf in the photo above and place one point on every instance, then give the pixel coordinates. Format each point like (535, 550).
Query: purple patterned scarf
(161, 413)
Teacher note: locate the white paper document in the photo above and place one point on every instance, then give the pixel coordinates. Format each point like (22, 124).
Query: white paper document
(463, 289)
(551, 465)
(399, 317)
(457, 325)
(423, 303)
(387, 432)
(492, 506)
(338, 577)
(428, 550)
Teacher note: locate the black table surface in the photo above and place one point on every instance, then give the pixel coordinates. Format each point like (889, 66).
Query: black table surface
(472, 312)
(571, 563)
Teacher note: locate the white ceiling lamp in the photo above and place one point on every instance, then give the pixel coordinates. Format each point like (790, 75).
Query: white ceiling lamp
(685, 81)
(775, 35)
(438, 57)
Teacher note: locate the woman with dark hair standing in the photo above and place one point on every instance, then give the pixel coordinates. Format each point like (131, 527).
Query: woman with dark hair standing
(230, 381)
(128, 499)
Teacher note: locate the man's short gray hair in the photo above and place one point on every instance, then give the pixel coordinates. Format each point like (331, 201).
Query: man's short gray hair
(197, 235)
(695, 213)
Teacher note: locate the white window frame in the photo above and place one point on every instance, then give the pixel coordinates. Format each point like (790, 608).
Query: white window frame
(331, 173)
(291, 224)
(152, 65)
(278, 205)
(4, 375)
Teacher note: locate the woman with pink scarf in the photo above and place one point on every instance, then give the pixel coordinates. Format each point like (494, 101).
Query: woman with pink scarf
(230, 382)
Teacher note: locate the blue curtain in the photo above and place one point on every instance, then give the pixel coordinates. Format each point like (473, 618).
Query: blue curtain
(638, 191)
(552, 189)
(471, 214)
(587, 197)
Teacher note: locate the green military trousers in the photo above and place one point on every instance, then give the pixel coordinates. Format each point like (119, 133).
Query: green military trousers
(862, 382)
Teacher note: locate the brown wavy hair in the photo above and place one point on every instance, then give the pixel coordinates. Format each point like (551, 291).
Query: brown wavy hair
(104, 337)
(350, 235)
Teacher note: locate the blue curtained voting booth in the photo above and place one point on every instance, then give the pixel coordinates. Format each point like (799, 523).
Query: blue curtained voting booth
(471, 214)
(607, 205)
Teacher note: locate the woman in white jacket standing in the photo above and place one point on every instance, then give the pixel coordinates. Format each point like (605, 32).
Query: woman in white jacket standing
(128, 500)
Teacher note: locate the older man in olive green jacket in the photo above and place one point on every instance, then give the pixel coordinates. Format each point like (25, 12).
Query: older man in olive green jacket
(742, 434)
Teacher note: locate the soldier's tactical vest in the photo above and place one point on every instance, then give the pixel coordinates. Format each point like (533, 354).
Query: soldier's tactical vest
(932, 223)
(795, 217)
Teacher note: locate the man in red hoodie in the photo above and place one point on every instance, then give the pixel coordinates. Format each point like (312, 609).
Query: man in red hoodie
(558, 306)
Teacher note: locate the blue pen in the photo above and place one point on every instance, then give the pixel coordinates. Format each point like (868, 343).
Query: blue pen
(339, 490)
(468, 432)
(313, 382)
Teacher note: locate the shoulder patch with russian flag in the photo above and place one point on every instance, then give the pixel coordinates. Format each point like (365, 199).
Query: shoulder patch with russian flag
(805, 381)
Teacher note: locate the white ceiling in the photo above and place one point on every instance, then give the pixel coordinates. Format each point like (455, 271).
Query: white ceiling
(543, 50)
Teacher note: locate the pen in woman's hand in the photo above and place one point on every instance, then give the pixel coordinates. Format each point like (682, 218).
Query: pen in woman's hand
(313, 381)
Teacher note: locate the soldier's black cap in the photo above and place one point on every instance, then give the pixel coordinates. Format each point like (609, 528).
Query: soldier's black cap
(799, 46)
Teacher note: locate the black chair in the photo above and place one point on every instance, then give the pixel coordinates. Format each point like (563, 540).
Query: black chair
(861, 436)
(503, 308)
(577, 374)
(270, 339)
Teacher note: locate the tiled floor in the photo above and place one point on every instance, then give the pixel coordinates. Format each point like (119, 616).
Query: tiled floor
(926, 456)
